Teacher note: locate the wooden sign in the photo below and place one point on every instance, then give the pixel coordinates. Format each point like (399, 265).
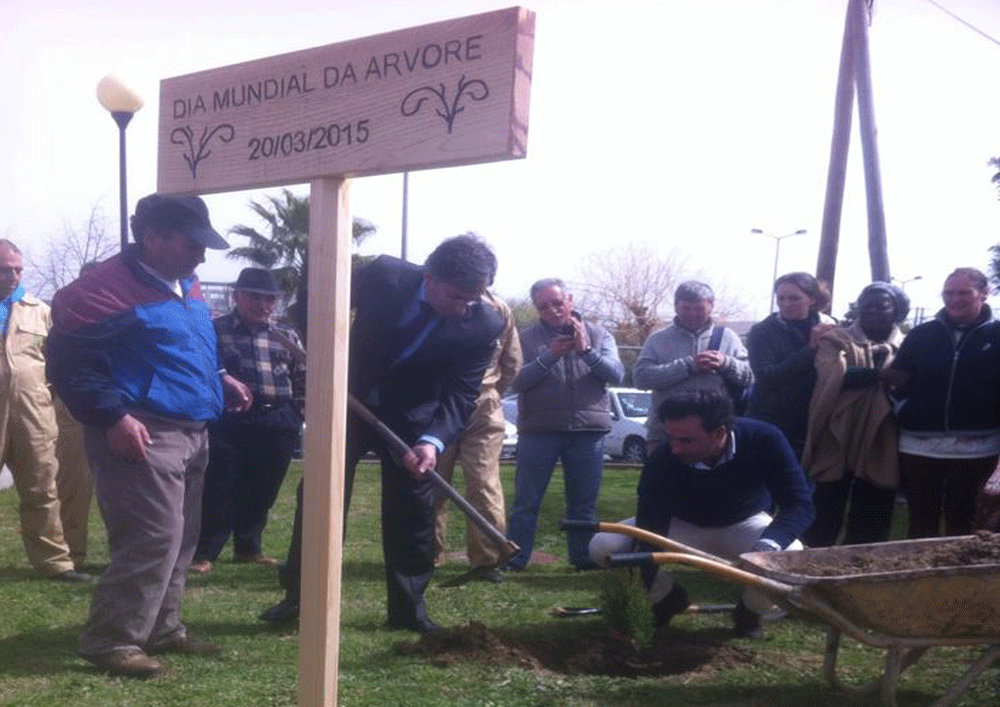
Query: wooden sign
(443, 94)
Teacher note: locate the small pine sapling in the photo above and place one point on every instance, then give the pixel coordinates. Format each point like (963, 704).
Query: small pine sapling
(626, 605)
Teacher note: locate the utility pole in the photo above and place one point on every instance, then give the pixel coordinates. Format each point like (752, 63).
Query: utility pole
(826, 264)
(855, 71)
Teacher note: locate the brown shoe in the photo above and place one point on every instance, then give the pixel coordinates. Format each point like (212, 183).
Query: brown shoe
(185, 646)
(127, 661)
(201, 567)
(258, 559)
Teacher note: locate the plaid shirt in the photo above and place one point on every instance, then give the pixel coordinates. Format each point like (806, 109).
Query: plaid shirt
(260, 360)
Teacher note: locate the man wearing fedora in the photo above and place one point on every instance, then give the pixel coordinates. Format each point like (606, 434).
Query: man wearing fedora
(249, 451)
(132, 354)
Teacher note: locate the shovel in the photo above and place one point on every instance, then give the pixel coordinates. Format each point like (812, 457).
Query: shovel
(399, 448)
(508, 549)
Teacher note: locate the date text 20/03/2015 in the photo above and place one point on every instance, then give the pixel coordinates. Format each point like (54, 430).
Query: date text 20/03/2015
(317, 138)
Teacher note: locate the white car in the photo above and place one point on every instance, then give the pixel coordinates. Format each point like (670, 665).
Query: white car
(627, 438)
(509, 449)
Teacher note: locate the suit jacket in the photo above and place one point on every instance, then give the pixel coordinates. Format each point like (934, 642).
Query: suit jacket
(434, 391)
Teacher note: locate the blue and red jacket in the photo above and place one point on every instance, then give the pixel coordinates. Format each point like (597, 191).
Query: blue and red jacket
(122, 340)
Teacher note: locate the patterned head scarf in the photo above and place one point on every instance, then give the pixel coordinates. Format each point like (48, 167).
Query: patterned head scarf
(899, 299)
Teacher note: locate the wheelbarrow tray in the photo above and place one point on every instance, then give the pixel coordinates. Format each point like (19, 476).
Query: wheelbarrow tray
(938, 604)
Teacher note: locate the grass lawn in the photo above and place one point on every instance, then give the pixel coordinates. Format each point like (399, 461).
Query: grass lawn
(40, 621)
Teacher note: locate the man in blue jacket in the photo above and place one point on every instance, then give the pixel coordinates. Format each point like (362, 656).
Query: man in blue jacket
(712, 487)
(132, 353)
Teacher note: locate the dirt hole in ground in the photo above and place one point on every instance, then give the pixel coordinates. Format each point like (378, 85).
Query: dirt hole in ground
(598, 652)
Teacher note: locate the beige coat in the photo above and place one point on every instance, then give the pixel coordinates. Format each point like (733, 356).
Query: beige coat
(851, 431)
(28, 434)
(477, 450)
(25, 393)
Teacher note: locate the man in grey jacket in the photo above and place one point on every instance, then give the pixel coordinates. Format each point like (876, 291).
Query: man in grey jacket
(563, 413)
(684, 358)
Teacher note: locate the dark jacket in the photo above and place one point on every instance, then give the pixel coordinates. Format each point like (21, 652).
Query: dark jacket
(950, 388)
(121, 339)
(763, 469)
(433, 391)
(784, 372)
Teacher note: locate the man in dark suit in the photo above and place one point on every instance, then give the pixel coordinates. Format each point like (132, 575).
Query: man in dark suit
(420, 342)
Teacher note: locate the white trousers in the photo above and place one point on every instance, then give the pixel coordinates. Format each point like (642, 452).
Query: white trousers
(727, 542)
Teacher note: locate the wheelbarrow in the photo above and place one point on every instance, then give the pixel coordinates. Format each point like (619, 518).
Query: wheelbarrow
(906, 611)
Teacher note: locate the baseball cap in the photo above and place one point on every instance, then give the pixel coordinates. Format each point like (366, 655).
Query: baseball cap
(187, 214)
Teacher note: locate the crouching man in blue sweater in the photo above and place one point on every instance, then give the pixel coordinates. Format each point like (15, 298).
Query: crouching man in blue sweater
(712, 488)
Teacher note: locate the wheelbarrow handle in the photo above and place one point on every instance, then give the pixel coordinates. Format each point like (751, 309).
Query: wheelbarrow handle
(726, 571)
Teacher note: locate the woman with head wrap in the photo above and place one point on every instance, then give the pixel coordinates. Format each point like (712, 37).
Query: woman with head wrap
(782, 349)
(851, 448)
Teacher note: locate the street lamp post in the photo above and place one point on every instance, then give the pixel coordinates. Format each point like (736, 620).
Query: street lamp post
(777, 250)
(907, 281)
(122, 102)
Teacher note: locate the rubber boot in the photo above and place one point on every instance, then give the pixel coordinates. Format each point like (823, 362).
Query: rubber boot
(669, 606)
(746, 623)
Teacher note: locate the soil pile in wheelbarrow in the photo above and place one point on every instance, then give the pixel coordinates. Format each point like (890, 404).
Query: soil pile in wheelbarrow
(598, 651)
(983, 548)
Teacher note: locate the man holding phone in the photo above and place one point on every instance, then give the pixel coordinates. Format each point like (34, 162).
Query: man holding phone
(563, 414)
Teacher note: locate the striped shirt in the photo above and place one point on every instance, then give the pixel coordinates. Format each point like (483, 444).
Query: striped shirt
(258, 358)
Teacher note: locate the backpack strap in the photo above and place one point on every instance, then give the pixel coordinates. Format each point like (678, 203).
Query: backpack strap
(715, 341)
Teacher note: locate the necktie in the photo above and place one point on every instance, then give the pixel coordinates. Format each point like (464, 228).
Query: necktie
(407, 333)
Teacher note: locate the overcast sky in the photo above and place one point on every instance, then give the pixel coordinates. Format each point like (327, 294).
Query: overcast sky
(678, 123)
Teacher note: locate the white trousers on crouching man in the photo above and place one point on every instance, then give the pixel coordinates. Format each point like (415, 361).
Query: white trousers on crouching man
(152, 512)
(727, 542)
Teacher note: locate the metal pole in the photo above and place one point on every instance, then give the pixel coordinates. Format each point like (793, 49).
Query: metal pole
(777, 248)
(122, 119)
(406, 199)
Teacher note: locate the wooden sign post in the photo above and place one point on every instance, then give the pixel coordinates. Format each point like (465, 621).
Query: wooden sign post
(444, 94)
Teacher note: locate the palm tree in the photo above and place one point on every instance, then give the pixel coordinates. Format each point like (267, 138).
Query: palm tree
(995, 261)
(285, 248)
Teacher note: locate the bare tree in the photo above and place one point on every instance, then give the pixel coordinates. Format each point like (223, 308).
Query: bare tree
(629, 290)
(523, 311)
(62, 256)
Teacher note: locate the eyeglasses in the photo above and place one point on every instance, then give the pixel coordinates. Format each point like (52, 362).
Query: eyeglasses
(554, 304)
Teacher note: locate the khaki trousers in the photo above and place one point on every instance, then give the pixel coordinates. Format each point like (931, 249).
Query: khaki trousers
(477, 450)
(31, 456)
(74, 483)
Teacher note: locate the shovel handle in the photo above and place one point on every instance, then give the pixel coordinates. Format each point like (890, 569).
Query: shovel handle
(630, 559)
(508, 548)
(590, 526)
(641, 535)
